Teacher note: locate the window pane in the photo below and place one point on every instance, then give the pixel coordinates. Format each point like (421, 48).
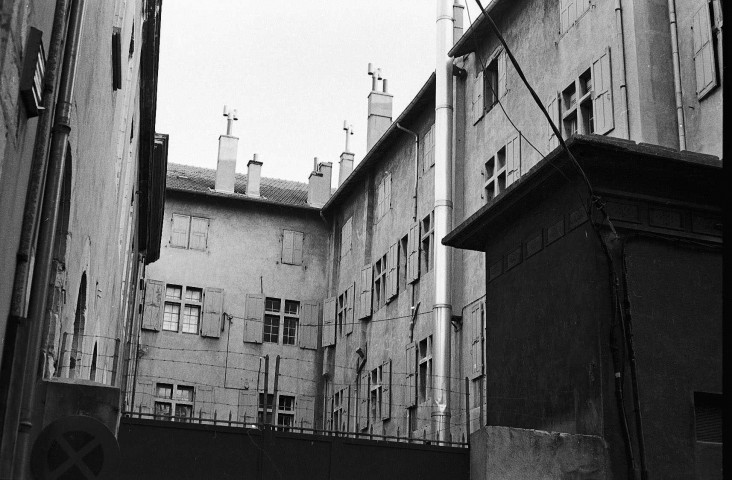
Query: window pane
(191, 317)
(171, 317)
(292, 307)
(286, 403)
(185, 411)
(271, 328)
(289, 334)
(272, 305)
(184, 393)
(164, 390)
(194, 294)
(162, 408)
(173, 291)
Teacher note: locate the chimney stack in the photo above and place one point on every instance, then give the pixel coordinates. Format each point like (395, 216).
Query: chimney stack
(254, 176)
(319, 183)
(380, 107)
(226, 164)
(346, 164)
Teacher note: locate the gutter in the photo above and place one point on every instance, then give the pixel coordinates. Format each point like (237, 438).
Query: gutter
(677, 75)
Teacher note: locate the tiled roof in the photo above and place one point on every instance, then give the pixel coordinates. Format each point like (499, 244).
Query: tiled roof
(187, 178)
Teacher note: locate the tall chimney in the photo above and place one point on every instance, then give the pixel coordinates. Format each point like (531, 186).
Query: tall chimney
(226, 164)
(319, 184)
(254, 176)
(379, 111)
(346, 164)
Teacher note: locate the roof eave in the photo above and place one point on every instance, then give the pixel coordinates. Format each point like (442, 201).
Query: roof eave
(241, 198)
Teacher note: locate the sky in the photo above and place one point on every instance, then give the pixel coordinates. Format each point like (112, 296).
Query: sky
(293, 70)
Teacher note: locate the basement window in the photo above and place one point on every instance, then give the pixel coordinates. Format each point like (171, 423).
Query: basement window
(174, 402)
(285, 411)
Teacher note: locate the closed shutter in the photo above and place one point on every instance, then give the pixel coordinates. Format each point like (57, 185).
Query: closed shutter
(386, 391)
(350, 294)
(513, 160)
(387, 193)
(476, 349)
(287, 247)
(153, 311)
(410, 386)
(502, 86)
(247, 408)
(199, 233)
(706, 69)
(145, 396)
(179, 230)
(380, 200)
(213, 308)
(297, 247)
(568, 12)
(552, 107)
(477, 104)
(254, 318)
(413, 258)
(305, 411)
(329, 313)
(308, 335)
(363, 404)
(602, 94)
(204, 405)
(367, 277)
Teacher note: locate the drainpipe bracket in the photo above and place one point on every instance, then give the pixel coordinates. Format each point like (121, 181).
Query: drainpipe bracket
(459, 72)
(457, 321)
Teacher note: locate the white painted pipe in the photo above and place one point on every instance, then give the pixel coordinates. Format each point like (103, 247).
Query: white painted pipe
(443, 222)
(677, 75)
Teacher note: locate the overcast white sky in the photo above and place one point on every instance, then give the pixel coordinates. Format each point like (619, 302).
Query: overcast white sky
(293, 70)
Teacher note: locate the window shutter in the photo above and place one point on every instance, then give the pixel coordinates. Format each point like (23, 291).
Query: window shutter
(366, 281)
(213, 308)
(476, 349)
(199, 233)
(413, 258)
(602, 95)
(297, 247)
(145, 392)
(254, 319)
(392, 278)
(478, 97)
(552, 106)
(153, 310)
(350, 294)
(502, 86)
(363, 407)
(386, 391)
(304, 411)
(513, 160)
(204, 402)
(410, 386)
(706, 70)
(287, 246)
(308, 335)
(247, 408)
(179, 230)
(380, 200)
(387, 193)
(329, 312)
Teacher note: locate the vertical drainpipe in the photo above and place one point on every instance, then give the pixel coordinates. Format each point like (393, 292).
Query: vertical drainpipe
(620, 42)
(443, 223)
(677, 74)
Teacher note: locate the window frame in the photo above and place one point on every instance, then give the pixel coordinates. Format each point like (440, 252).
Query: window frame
(173, 401)
(424, 361)
(181, 303)
(426, 243)
(189, 230)
(277, 308)
(379, 285)
(285, 412)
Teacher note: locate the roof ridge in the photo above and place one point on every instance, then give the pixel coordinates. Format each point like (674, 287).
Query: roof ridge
(213, 170)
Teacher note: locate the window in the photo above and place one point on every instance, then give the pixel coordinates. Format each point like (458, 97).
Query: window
(174, 401)
(424, 372)
(189, 232)
(578, 109)
(346, 234)
(190, 305)
(275, 315)
(340, 410)
(428, 238)
(706, 33)
(376, 396)
(286, 411)
(402, 266)
(383, 197)
(490, 77)
(379, 295)
(292, 247)
(570, 11)
(587, 104)
(494, 173)
(271, 328)
(261, 418)
(428, 149)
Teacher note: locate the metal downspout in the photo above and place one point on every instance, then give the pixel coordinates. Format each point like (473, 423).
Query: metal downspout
(443, 223)
(620, 42)
(416, 167)
(677, 75)
(47, 236)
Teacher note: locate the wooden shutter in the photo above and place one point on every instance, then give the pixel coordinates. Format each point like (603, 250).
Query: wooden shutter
(602, 94)
(552, 106)
(387, 193)
(477, 107)
(410, 386)
(287, 246)
(308, 335)
(254, 318)
(179, 230)
(304, 411)
(476, 349)
(380, 200)
(297, 247)
(152, 313)
(568, 12)
(199, 233)
(392, 260)
(706, 69)
(329, 313)
(247, 408)
(204, 404)
(386, 391)
(513, 160)
(213, 309)
(413, 258)
(350, 295)
(363, 407)
(367, 276)
(502, 86)
(145, 396)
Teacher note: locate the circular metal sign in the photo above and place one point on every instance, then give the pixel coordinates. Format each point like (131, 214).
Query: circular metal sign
(76, 446)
